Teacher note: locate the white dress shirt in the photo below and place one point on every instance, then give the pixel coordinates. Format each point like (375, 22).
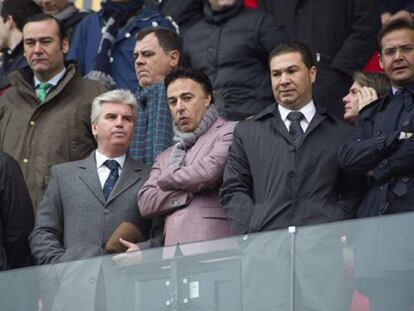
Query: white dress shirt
(308, 111)
(103, 170)
(53, 82)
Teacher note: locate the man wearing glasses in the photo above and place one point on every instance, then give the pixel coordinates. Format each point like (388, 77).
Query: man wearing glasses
(382, 146)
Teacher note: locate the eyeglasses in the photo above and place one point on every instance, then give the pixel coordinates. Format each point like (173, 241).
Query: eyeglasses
(403, 49)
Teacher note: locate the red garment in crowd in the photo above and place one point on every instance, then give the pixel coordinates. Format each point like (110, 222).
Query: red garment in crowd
(373, 64)
(250, 3)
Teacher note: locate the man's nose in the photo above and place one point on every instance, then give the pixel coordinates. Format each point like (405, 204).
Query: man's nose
(38, 47)
(119, 121)
(284, 78)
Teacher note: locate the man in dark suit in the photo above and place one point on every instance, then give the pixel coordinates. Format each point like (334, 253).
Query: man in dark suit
(87, 200)
(341, 35)
(282, 171)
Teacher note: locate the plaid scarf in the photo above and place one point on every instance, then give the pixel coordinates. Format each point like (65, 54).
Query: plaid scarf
(153, 127)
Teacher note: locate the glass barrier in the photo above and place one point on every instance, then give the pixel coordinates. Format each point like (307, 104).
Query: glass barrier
(335, 267)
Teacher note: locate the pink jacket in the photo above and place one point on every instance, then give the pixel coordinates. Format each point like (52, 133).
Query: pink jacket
(189, 195)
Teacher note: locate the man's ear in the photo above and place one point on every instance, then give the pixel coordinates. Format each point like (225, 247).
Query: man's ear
(313, 71)
(65, 45)
(93, 128)
(174, 58)
(380, 61)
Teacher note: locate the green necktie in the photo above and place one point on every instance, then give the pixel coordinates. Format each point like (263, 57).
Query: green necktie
(42, 89)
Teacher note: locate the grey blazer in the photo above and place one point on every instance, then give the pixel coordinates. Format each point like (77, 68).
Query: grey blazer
(74, 221)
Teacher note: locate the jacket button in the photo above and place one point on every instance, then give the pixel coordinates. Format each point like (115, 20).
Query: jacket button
(25, 160)
(291, 148)
(106, 211)
(406, 123)
(32, 123)
(291, 174)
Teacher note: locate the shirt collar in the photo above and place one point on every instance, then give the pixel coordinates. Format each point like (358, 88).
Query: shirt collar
(308, 111)
(54, 81)
(101, 158)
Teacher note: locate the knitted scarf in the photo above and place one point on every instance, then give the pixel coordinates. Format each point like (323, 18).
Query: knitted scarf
(184, 141)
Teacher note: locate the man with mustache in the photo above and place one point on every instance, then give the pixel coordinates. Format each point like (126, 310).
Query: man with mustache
(44, 116)
(282, 171)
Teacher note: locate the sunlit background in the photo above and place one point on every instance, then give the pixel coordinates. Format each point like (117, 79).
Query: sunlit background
(88, 4)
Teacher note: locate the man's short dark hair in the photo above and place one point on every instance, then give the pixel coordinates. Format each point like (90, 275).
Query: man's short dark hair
(192, 74)
(291, 47)
(394, 25)
(20, 10)
(46, 17)
(168, 39)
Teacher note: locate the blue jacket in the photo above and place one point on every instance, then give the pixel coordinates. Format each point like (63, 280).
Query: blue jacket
(88, 34)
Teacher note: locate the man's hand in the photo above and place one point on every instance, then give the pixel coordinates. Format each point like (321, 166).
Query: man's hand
(131, 255)
(131, 247)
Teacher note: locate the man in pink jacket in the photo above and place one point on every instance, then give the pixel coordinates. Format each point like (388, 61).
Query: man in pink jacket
(184, 181)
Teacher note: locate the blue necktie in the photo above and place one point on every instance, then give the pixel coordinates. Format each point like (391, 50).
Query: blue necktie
(295, 129)
(112, 178)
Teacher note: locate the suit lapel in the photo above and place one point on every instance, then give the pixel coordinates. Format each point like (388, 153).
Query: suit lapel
(89, 176)
(202, 140)
(280, 127)
(130, 175)
(316, 120)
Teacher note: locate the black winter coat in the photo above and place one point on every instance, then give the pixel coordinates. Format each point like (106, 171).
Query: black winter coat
(268, 184)
(16, 216)
(232, 48)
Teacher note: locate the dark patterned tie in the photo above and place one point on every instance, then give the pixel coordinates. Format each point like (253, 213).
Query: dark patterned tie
(405, 97)
(112, 178)
(295, 130)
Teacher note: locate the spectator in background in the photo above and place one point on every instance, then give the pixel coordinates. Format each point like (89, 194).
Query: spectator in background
(341, 35)
(185, 179)
(104, 41)
(157, 52)
(382, 147)
(396, 9)
(13, 15)
(16, 216)
(231, 45)
(44, 116)
(185, 12)
(382, 144)
(65, 11)
(367, 87)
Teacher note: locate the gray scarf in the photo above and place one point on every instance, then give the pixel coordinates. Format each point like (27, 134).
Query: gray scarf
(184, 141)
(66, 13)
